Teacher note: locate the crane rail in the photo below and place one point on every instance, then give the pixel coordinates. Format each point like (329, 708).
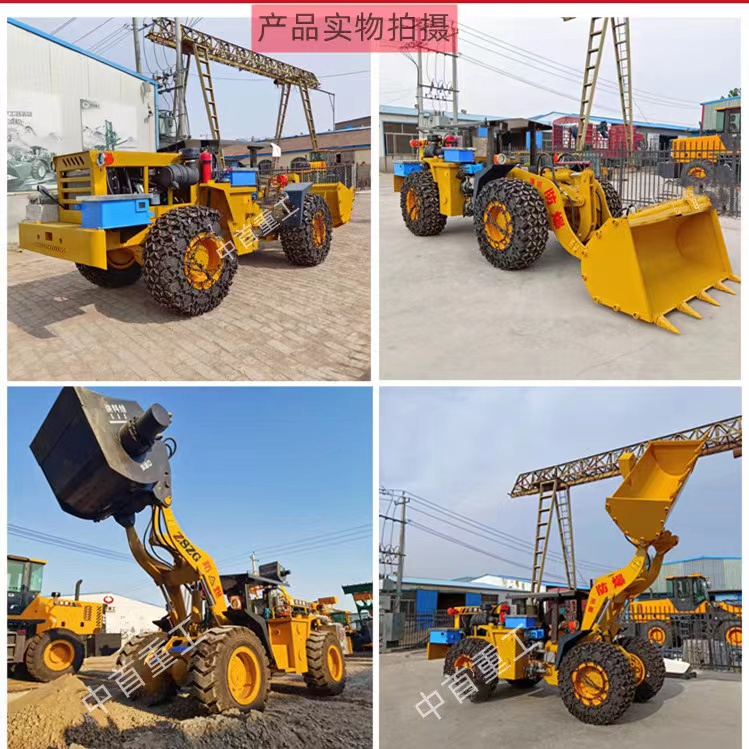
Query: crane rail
(719, 436)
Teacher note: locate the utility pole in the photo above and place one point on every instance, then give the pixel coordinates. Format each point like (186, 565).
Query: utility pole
(455, 87)
(136, 44)
(419, 93)
(253, 559)
(401, 553)
(179, 84)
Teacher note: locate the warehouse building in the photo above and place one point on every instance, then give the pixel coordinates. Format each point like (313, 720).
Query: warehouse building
(722, 573)
(126, 616)
(424, 595)
(715, 111)
(64, 99)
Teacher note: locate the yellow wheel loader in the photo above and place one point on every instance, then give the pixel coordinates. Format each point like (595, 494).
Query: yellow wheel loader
(570, 638)
(687, 598)
(179, 220)
(50, 636)
(646, 264)
(223, 635)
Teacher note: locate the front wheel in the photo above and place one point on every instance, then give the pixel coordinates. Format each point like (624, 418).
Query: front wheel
(478, 657)
(229, 670)
(122, 270)
(597, 683)
(510, 223)
(54, 653)
(309, 243)
(187, 268)
(142, 654)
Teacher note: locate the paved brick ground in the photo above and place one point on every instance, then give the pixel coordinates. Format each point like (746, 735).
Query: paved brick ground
(277, 323)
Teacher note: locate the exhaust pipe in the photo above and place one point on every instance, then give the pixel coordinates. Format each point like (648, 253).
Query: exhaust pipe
(78, 590)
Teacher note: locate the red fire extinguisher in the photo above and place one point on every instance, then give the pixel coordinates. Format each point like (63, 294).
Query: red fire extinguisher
(206, 166)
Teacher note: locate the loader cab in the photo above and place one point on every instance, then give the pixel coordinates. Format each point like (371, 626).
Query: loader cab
(687, 592)
(24, 583)
(728, 126)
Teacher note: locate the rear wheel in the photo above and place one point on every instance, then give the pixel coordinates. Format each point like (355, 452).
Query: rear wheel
(511, 224)
(730, 633)
(122, 270)
(142, 653)
(187, 268)
(697, 174)
(597, 683)
(309, 243)
(469, 653)
(229, 670)
(326, 667)
(54, 653)
(647, 665)
(420, 204)
(660, 634)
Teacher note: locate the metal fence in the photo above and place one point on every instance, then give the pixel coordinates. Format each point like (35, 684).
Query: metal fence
(646, 177)
(350, 174)
(706, 641)
(710, 641)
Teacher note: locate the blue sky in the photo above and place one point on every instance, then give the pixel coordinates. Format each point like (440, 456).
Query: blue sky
(463, 448)
(247, 104)
(257, 468)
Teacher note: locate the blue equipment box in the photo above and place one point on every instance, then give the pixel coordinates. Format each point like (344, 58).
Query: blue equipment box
(404, 168)
(458, 155)
(473, 168)
(444, 636)
(115, 211)
(243, 177)
(525, 622)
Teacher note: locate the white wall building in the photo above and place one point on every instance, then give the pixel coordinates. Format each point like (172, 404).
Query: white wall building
(127, 615)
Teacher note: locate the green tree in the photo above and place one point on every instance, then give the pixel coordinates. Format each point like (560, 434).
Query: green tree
(735, 92)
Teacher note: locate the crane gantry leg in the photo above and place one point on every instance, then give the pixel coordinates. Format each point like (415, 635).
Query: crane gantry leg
(596, 37)
(203, 64)
(553, 501)
(620, 30)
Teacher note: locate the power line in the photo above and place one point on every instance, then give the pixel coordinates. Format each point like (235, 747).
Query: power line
(67, 544)
(88, 33)
(62, 26)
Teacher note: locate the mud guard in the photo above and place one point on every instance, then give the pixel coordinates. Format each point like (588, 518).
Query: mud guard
(566, 642)
(489, 174)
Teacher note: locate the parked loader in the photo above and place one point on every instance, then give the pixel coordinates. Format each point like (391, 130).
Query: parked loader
(105, 457)
(50, 636)
(570, 638)
(687, 598)
(647, 263)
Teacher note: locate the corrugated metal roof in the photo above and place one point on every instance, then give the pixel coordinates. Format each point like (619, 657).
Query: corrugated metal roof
(79, 50)
(715, 101)
(551, 116)
(413, 112)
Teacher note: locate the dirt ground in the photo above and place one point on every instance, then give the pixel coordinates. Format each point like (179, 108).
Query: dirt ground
(278, 322)
(52, 716)
(447, 314)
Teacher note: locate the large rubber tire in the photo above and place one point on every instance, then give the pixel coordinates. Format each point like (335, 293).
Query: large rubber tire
(613, 199)
(660, 633)
(698, 174)
(209, 678)
(653, 668)
(462, 655)
(510, 223)
(326, 666)
(158, 688)
(599, 698)
(308, 244)
(111, 278)
(53, 654)
(730, 633)
(420, 205)
(166, 250)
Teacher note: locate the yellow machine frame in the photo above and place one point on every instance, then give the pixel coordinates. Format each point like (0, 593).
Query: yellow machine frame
(240, 212)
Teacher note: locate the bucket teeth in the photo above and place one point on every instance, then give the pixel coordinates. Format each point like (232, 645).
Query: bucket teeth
(662, 322)
(703, 296)
(735, 278)
(720, 286)
(687, 310)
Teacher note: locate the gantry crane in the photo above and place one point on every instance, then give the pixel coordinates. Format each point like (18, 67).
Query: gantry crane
(206, 49)
(553, 483)
(622, 51)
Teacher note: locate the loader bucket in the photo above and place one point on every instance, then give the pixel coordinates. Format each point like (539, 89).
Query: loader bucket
(657, 260)
(100, 454)
(340, 200)
(648, 493)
